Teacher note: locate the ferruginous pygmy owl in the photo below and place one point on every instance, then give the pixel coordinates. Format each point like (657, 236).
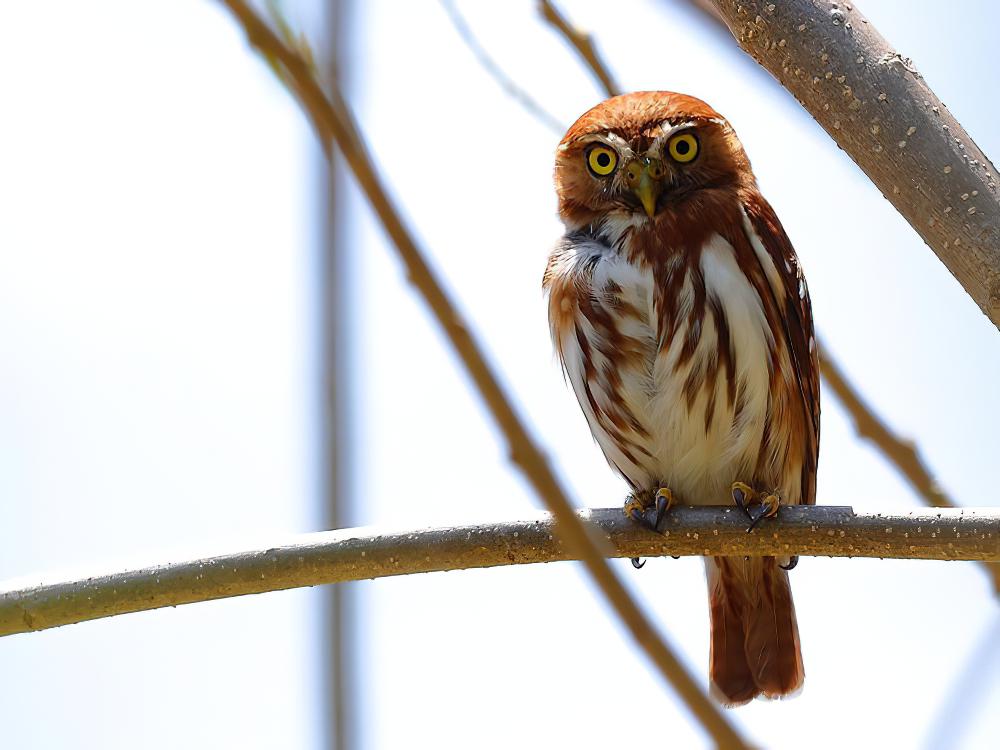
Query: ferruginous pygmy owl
(682, 320)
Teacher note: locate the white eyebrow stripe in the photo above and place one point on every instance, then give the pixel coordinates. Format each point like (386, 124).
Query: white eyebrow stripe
(613, 140)
(670, 129)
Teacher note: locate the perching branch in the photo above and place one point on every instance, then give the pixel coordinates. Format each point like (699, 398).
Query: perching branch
(356, 554)
(332, 121)
(872, 101)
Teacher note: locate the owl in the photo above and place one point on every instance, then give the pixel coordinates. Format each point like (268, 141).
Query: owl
(682, 320)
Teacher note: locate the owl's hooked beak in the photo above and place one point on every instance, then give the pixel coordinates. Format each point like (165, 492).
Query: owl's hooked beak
(643, 176)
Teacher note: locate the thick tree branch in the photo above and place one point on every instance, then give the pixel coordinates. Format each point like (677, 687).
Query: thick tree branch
(332, 121)
(877, 107)
(356, 554)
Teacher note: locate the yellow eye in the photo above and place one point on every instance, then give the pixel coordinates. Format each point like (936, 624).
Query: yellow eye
(602, 160)
(683, 148)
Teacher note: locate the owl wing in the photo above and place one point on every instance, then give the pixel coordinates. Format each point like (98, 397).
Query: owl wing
(795, 307)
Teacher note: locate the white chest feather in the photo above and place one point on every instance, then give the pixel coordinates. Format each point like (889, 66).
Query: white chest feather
(673, 378)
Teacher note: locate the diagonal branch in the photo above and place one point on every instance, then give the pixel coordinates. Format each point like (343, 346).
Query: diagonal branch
(878, 108)
(902, 453)
(331, 119)
(356, 554)
(583, 43)
(511, 87)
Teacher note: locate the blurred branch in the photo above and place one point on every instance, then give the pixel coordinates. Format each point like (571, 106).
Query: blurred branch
(583, 43)
(341, 712)
(356, 554)
(872, 101)
(508, 84)
(332, 120)
(902, 453)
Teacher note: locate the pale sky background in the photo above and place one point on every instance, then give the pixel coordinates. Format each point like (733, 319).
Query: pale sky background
(159, 384)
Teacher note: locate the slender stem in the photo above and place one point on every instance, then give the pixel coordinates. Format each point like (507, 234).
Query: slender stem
(332, 121)
(583, 44)
(357, 554)
(510, 87)
(901, 453)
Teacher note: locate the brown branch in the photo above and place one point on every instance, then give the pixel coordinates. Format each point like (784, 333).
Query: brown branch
(902, 453)
(872, 101)
(583, 44)
(508, 84)
(332, 120)
(356, 554)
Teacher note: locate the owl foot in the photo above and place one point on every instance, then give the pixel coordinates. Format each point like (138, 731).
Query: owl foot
(756, 505)
(639, 502)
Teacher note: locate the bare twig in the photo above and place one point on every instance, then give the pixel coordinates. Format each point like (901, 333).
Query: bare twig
(356, 554)
(872, 101)
(508, 84)
(902, 453)
(332, 120)
(583, 44)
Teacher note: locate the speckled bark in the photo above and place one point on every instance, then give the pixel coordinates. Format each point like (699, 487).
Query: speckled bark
(873, 102)
(356, 554)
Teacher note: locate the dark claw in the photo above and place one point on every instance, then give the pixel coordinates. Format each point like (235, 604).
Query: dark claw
(637, 563)
(661, 511)
(740, 499)
(636, 515)
(756, 516)
(792, 562)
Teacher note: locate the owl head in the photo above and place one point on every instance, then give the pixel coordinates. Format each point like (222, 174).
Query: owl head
(639, 154)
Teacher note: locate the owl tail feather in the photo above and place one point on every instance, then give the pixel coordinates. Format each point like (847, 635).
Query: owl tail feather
(755, 639)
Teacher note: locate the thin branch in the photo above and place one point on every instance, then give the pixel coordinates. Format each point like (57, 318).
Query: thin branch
(902, 453)
(332, 120)
(356, 554)
(583, 44)
(508, 84)
(872, 101)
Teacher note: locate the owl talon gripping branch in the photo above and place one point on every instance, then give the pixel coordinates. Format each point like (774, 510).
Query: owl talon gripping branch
(756, 505)
(768, 508)
(639, 502)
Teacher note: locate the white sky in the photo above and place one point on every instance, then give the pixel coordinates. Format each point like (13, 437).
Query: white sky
(159, 389)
